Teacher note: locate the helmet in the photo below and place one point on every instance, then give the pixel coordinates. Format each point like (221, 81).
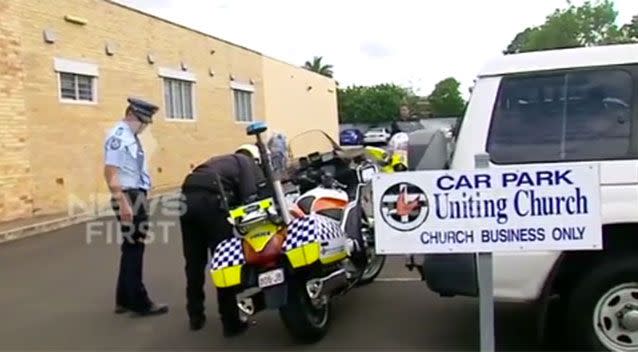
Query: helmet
(398, 147)
(399, 142)
(252, 150)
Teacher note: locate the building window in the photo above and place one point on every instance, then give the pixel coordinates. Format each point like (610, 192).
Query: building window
(179, 94)
(77, 81)
(77, 87)
(178, 98)
(243, 105)
(573, 116)
(243, 101)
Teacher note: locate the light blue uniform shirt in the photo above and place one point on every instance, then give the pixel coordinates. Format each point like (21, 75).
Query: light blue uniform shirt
(123, 149)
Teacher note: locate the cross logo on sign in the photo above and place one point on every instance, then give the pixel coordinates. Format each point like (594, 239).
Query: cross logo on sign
(404, 206)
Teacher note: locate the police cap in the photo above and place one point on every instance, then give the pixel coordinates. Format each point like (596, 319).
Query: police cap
(142, 109)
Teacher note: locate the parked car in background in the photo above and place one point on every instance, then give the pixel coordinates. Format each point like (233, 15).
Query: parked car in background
(377, 135)
(351, 136)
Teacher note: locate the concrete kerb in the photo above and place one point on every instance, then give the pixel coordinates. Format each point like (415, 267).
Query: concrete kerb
(56, 224)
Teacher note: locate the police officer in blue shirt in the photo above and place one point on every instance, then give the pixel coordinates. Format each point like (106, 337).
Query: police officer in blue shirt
(128, 179)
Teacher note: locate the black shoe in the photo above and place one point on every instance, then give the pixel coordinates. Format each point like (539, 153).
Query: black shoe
(197, 322)
(154, 309)
(119, 309)
(236, 329)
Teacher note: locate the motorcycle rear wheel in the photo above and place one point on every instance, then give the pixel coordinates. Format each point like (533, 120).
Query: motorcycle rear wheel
(306, 323)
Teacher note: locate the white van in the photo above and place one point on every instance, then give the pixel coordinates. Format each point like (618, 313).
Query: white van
(561, 106)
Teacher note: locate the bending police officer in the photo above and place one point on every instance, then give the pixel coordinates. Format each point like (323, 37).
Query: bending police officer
(128, 179)
(204, 225)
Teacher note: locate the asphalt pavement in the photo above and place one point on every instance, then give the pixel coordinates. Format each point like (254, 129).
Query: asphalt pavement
(58, 294)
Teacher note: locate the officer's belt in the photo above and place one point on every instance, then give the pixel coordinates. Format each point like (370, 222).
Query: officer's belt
(207, 181)
(202, 180)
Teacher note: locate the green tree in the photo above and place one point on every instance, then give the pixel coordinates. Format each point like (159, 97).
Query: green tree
(575, 26)
(316, 65)
(520, 41)
(419, 106)
(630, 30)
(446, 98)
(371, 104)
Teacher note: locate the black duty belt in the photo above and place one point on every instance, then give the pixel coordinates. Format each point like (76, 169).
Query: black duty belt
(206, 181)
(135, 190)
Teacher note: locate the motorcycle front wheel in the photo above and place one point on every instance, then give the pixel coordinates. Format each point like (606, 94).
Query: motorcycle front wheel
(376, 262)
(305, 322)
(375, 265)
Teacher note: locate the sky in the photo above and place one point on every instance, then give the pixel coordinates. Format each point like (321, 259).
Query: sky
(413, 43)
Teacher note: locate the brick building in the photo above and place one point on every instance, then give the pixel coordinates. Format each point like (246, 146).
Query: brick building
(67, 66)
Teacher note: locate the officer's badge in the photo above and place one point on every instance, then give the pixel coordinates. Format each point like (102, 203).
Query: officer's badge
(115, 143)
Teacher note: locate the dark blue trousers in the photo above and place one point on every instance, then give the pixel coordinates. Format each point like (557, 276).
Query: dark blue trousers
(204, 226)
(131, 292)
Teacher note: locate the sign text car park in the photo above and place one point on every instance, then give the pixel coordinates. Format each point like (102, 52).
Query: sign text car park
(488, 210)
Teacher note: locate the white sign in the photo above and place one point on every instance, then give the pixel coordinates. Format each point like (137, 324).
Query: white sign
(488, 210)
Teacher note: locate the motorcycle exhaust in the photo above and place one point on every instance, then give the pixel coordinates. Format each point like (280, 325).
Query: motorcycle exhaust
(246, 306)
(317, 288)
(245, 302)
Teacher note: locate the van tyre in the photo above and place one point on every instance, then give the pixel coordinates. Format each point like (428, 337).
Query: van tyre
(602, 307)
(306, 323)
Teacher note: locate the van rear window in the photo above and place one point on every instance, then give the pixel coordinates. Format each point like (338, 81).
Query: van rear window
(569, 116)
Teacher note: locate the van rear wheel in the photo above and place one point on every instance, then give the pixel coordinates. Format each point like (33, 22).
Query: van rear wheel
(602, 308)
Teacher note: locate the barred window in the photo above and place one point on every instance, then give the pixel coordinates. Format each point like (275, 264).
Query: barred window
(178, 98)
(77, 87)
(243, 101)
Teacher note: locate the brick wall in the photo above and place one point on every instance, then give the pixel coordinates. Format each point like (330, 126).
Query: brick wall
(66, 140)
(15, 174)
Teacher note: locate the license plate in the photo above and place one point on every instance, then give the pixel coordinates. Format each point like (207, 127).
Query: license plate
(271, 278)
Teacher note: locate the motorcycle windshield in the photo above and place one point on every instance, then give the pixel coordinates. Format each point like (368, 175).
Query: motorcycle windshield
(311, 142)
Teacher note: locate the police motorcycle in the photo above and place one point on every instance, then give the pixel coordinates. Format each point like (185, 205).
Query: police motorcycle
(330, 179)
(324, 194)
(296, 265)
